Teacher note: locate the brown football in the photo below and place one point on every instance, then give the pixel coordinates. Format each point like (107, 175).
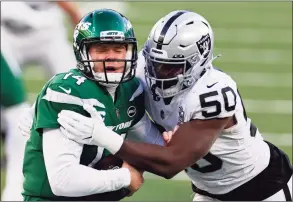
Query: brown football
(109, 162)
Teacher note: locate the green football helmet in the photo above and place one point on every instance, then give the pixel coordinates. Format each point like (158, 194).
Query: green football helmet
(104, 26)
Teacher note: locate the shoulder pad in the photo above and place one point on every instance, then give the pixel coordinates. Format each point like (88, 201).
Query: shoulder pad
(72, 88)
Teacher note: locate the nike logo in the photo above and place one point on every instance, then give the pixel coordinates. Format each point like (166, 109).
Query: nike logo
(209, 86)
(68, 91)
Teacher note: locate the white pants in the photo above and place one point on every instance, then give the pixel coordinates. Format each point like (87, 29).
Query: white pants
(14, 150)
(279, 196)
(48, 47)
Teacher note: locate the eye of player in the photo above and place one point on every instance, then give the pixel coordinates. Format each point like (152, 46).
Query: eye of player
(105, 48)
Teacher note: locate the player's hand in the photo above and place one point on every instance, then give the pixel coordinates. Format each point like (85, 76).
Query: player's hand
(136, 178)
(167, 135)
(78, 127)
(25, 122)
(89, 130)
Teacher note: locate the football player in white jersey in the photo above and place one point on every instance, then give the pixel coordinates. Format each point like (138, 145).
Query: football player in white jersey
(217, 145)
(37, 34)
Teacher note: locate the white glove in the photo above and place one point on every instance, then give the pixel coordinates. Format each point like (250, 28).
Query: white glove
(25, 122)
(89, 130)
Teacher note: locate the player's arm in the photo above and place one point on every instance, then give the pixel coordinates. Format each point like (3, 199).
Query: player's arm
(213, 112)
(191, 142)
(72, 9)
(69, 178)
(61, 157)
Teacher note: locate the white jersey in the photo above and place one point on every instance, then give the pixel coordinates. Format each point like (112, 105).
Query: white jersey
(238, 154)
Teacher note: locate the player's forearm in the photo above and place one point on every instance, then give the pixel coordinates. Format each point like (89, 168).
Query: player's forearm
(78, 180)
(165, 161)
(67, 177)
(152, 158)
(156, 159)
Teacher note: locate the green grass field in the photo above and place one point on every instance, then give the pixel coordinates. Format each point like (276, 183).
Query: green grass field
(255, 40)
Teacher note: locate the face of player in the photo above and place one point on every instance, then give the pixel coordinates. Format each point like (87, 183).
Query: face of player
(108, 52)
(166, 71)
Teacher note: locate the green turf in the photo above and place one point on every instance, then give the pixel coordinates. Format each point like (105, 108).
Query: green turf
(252, 36)
(273, 124)
(272, 93)
(165, 190)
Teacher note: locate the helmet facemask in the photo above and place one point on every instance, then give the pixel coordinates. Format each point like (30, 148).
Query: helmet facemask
(174, 75)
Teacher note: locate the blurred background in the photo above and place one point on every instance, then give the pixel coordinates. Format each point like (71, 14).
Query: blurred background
(255, 40)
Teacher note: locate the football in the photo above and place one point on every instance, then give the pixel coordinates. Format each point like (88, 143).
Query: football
(108, 163)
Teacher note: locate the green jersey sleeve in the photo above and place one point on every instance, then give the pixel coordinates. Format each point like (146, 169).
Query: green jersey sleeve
(56, 97)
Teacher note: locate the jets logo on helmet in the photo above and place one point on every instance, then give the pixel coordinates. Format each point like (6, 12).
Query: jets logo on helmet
(83, 26)
(112, 35)
(75, 34)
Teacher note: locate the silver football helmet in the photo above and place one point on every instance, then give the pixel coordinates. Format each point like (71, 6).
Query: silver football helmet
(178, 50)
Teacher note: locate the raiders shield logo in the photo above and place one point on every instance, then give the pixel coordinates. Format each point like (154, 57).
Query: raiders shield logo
(204, 43)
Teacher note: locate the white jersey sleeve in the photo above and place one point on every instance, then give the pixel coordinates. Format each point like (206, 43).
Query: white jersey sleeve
(214, 97)
(69, 178)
